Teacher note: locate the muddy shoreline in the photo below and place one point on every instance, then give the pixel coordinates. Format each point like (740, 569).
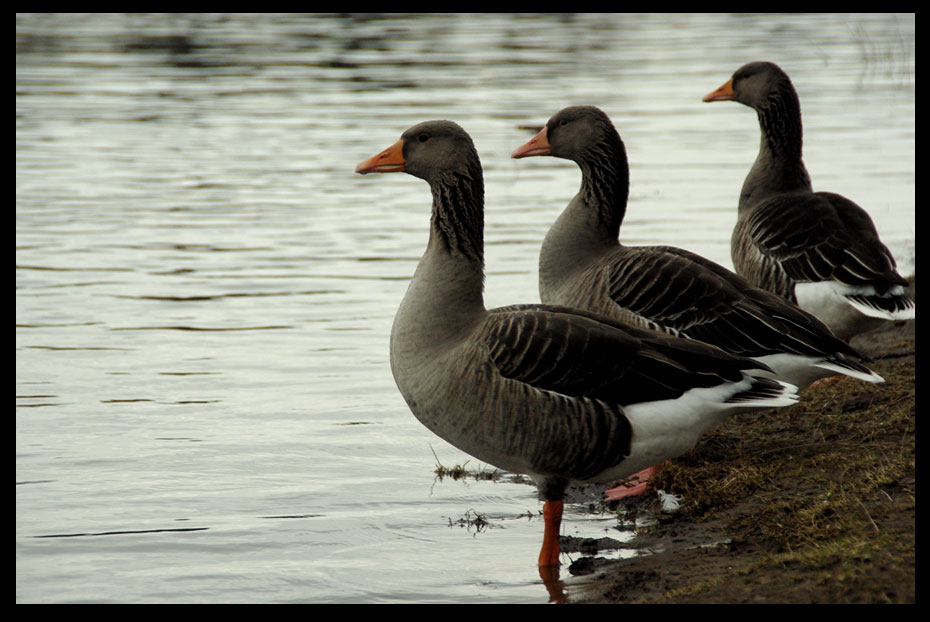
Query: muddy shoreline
(809, 504)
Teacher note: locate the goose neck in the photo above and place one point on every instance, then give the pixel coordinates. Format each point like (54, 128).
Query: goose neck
(779, 167)
(605, 186)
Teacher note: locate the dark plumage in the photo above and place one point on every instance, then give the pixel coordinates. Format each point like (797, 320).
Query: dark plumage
(559, 394)
(818, 249)
(583, 264)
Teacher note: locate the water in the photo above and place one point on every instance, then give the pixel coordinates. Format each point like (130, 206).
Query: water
(204, 288)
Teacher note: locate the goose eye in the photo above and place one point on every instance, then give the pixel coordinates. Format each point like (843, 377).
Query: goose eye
(423, 138)
(563, 122)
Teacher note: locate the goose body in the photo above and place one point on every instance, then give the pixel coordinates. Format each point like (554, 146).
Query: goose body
(818, 249)
(553, 392)
(583, 264)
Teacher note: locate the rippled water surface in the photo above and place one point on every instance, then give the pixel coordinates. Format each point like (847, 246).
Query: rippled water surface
(204, 288)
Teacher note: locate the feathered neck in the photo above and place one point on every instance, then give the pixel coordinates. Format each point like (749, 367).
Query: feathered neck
(605, 183)
(457, 222)
(779, 167)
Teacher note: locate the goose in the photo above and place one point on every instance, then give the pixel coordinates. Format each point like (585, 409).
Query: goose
(818, 249)
(560, 394)
(583, 264)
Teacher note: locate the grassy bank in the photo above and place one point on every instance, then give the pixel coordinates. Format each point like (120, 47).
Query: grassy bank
(809, 504)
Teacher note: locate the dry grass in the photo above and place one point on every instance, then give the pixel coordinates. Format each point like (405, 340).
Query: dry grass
(817, 501)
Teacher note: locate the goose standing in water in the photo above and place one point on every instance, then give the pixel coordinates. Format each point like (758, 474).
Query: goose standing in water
(556, 393)
(818, 249)
(583, 264)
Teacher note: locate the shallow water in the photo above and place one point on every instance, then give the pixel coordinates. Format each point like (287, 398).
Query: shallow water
(204, 288)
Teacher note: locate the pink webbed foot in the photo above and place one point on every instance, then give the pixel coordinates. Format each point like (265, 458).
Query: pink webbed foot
(636, 484)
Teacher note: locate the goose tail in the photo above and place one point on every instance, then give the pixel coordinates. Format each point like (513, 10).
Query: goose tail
(766, 393)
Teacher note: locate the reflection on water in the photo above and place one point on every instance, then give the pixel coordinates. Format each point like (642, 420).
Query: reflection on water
(205, 288)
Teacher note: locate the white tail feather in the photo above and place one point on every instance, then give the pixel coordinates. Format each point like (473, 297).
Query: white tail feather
(852, 373)
(908, 312)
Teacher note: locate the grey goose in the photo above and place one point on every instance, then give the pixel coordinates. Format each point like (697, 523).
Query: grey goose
(556, 393)
(818, 249)
(583, 264)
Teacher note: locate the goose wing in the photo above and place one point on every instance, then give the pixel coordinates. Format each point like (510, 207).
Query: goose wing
(822, 236)
(581, 354)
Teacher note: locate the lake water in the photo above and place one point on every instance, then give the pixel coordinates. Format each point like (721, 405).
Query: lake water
(204, 288)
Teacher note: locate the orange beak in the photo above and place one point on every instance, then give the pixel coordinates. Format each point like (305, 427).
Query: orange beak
(536, 146)
(391, 160)
(724, 93)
